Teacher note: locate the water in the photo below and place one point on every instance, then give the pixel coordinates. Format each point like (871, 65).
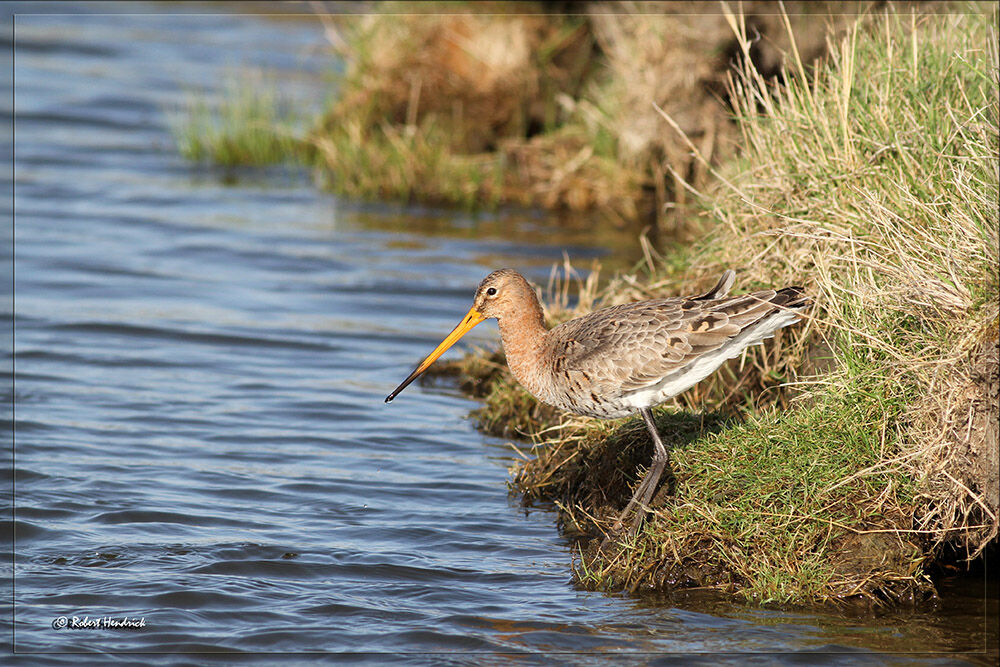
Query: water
(201, 443)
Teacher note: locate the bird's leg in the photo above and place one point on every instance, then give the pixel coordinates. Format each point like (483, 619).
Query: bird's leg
(644, 492)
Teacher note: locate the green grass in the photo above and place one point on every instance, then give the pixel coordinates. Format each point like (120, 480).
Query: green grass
(759, 508)
(772, 495)
(252, 125)
(389, 162)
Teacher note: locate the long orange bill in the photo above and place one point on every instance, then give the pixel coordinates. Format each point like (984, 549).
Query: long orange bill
(471, 319)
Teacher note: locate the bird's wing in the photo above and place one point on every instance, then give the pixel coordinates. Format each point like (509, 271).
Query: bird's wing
(625, 348)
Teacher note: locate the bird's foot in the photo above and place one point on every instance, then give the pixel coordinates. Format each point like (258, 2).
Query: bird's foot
(608, 543)
(618, 534)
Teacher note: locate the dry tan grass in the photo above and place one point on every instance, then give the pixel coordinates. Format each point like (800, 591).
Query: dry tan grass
(674, 56)
(887, 210)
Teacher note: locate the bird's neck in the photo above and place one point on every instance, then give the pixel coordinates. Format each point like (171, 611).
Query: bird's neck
(523, 334)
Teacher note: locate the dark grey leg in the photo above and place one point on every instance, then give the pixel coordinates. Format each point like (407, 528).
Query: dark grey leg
(644, 492)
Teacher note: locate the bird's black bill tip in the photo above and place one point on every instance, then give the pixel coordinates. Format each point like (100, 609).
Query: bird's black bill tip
(403, 385)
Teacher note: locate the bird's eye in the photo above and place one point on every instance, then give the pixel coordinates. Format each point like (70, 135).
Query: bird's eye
(491, 291)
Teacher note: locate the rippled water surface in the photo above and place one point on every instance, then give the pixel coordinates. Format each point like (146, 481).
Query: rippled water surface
(201, 360)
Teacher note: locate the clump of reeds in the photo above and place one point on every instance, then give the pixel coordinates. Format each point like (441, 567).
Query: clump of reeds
(251, 124)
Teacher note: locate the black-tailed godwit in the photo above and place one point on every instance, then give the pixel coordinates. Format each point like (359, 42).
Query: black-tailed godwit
(623, 359)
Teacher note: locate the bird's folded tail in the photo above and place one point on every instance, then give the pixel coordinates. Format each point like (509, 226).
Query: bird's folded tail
(721, 288)
(793, 297)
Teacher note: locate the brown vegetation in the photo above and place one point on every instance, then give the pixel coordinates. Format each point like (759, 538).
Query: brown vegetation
(556, 111)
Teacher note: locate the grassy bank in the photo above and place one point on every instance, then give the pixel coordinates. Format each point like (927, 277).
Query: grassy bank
(850, 452)
(842, 459)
